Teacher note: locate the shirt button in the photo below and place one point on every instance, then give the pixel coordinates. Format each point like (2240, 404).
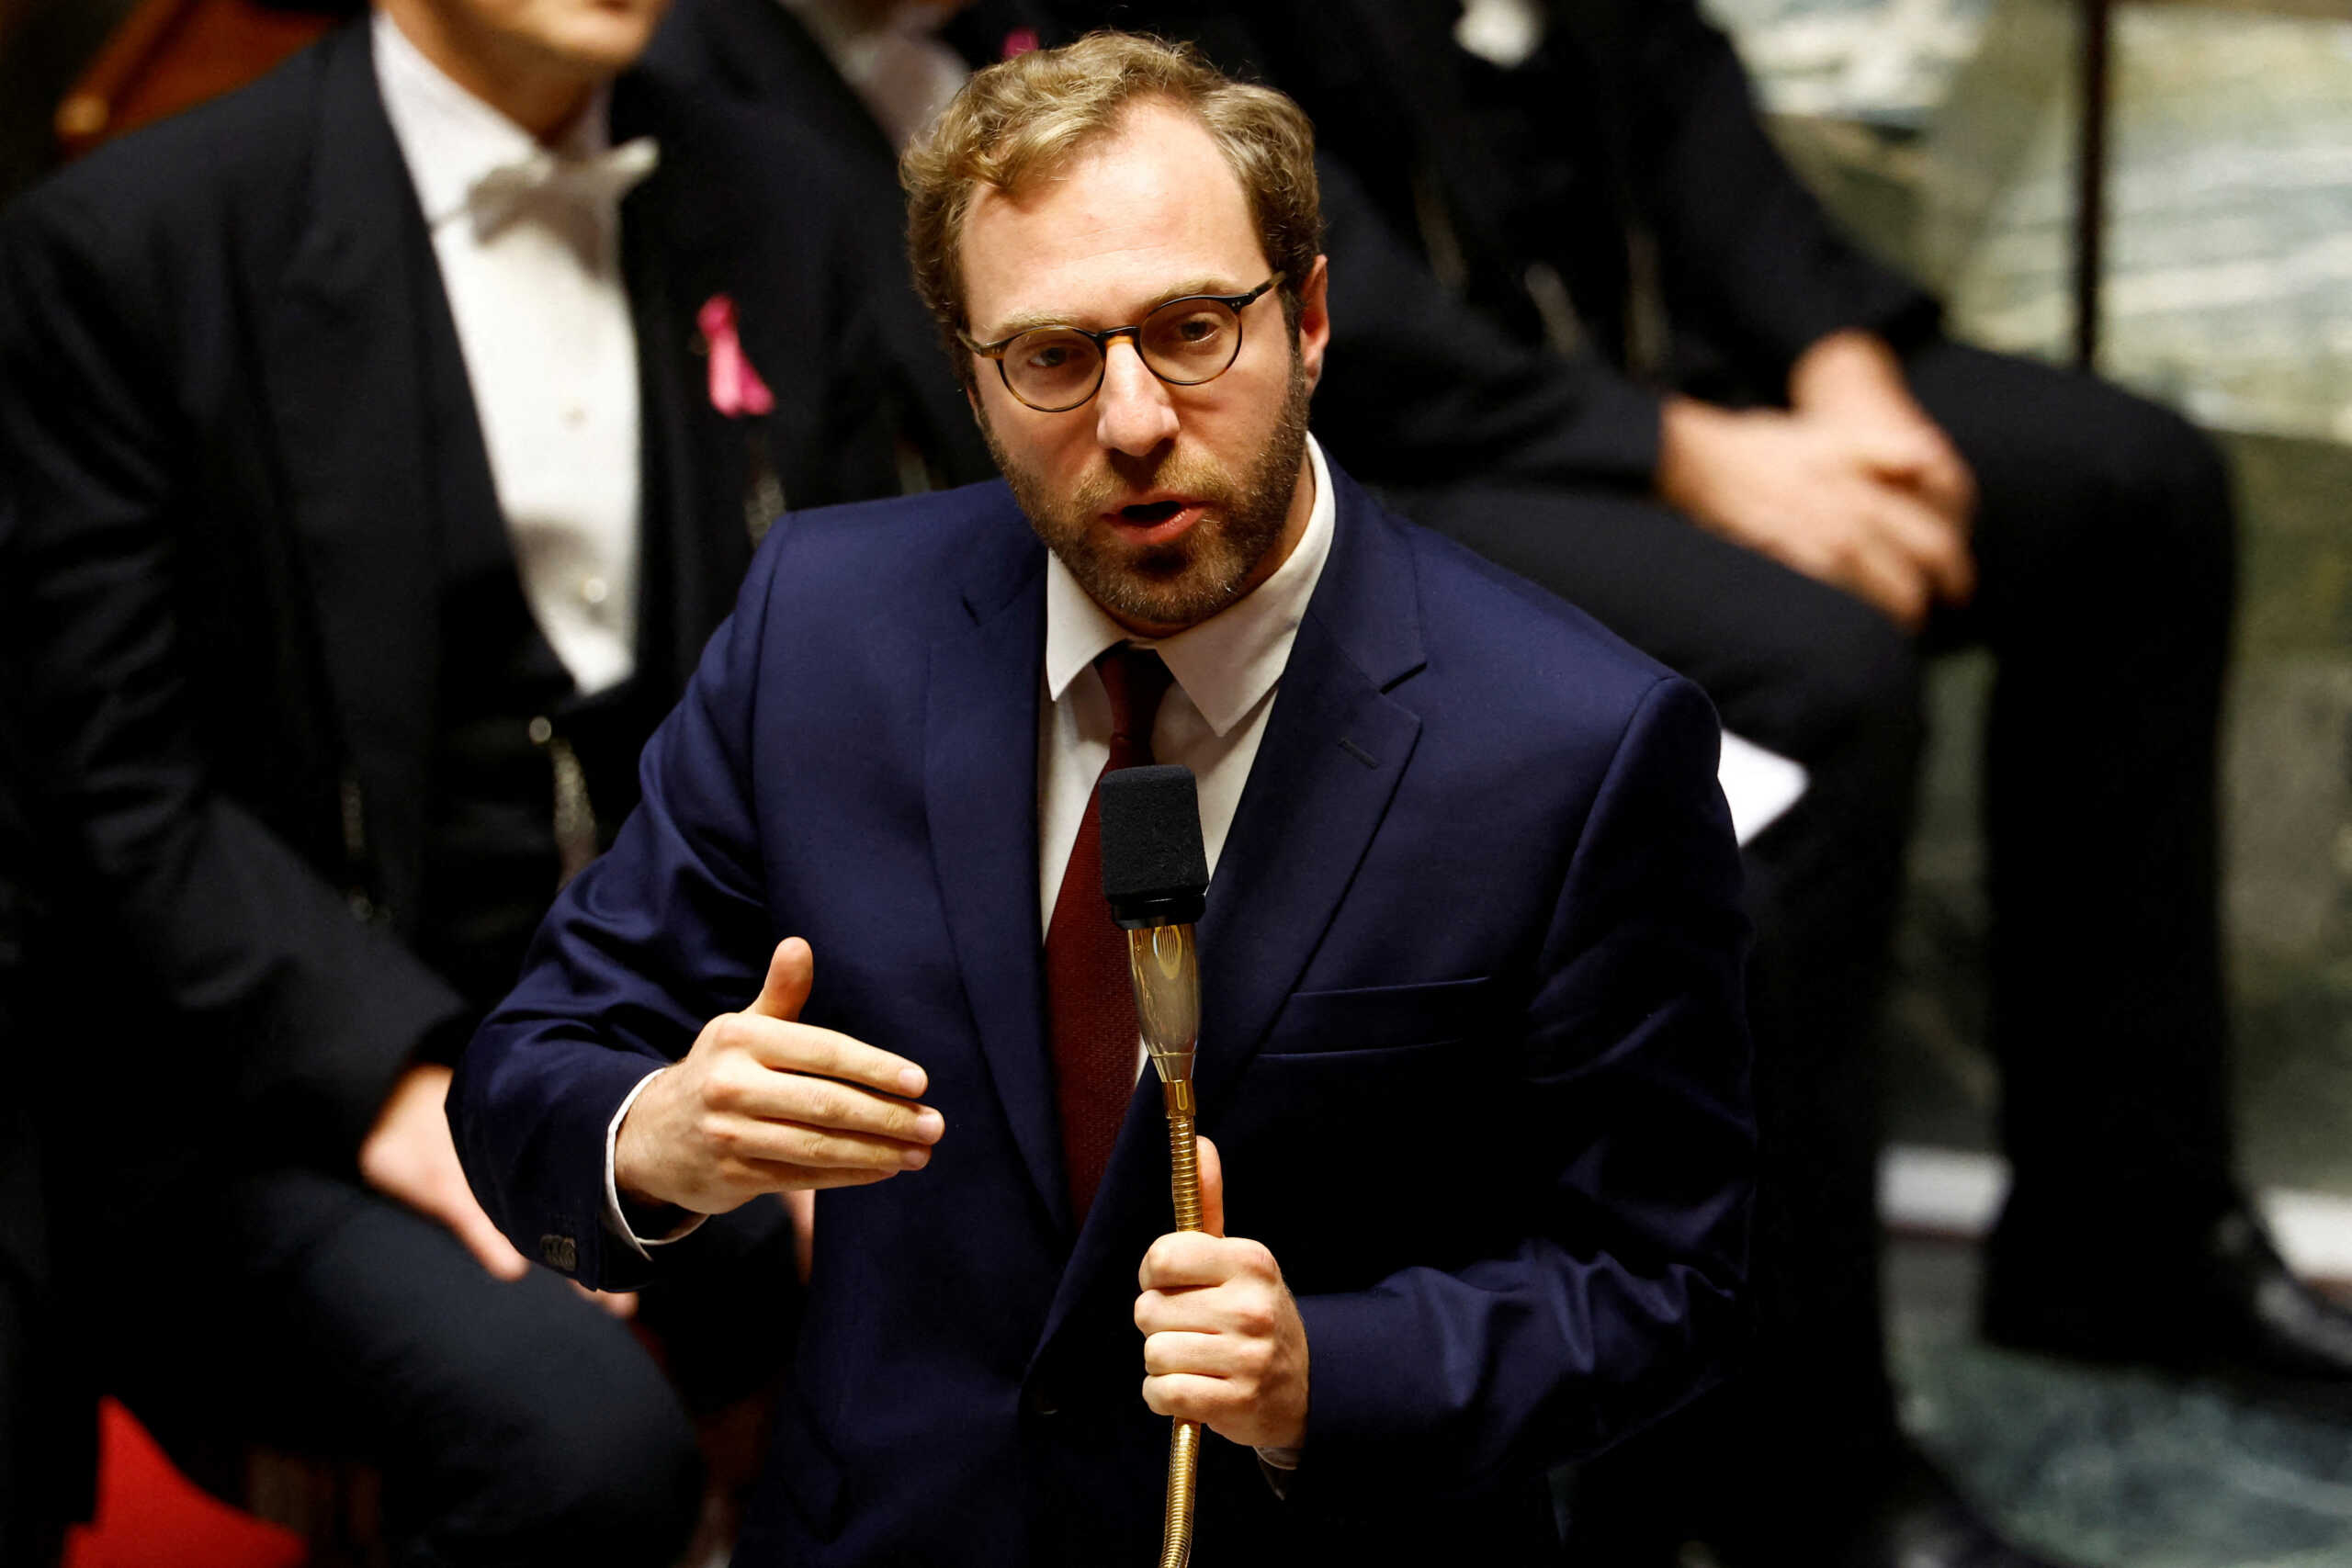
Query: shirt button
(593, 591)
(541, 732)
(574, 415)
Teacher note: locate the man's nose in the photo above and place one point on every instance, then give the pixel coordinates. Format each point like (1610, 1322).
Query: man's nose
(1134, 412)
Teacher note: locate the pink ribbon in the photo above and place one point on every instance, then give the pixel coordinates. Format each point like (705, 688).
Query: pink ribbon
(1020, 40)
(736, 389)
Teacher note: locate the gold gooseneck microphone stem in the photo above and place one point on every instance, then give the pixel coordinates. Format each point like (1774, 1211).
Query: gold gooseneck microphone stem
(1168, 1007)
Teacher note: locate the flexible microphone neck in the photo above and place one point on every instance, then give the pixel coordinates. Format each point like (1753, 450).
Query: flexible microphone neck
(1155, 875)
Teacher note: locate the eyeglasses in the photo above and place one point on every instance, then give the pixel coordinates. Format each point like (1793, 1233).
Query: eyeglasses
(1183, 342)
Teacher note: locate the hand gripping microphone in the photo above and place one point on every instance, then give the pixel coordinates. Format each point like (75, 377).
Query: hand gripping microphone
(1155, 875)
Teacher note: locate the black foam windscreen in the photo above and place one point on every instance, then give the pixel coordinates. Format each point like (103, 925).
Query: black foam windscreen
(1153, 865)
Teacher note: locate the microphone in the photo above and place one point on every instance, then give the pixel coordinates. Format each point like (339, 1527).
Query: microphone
(1156, 877)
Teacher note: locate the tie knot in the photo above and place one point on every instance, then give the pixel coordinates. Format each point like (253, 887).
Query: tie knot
(1135, 679)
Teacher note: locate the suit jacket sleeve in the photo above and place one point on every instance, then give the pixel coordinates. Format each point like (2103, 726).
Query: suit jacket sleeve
(1746, 251)
(306, 1014)
(664, 930)
(1632, 1124)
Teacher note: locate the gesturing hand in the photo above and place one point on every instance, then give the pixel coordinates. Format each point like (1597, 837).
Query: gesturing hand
(1223, 1343)
(764, 1103)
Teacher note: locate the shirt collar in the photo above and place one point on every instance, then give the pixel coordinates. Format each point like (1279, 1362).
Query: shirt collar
(450, 138)
(1229, 662)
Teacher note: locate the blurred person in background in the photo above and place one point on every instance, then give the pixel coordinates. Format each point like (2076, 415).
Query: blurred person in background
(377, 447)
(1590, 322)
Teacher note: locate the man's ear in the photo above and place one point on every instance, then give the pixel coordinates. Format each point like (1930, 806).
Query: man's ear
(1315, 321)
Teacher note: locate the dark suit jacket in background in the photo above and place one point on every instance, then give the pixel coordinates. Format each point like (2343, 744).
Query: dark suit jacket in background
(758, 55)
(235, 436)
(1472, 1049)
(47, 1411)
(1429, 390)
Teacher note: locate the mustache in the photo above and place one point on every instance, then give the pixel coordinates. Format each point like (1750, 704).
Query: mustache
(1190, 474)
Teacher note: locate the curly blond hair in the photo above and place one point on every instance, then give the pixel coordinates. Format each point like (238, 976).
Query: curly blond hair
(1027, 118)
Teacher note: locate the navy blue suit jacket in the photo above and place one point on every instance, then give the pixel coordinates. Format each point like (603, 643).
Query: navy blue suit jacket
(1472, 1049)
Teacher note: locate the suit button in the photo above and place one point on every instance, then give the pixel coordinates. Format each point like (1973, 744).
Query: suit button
(1039, 1401)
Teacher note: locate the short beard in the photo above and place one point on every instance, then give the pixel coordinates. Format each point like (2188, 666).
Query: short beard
(1184, 583)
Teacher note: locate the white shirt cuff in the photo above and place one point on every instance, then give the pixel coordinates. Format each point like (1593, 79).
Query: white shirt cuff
(614, 1220)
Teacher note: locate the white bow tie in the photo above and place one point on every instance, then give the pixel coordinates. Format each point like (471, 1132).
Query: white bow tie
(501, 196)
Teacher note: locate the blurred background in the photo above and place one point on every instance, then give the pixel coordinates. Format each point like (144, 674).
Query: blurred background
(1949, 135)
(1946, 133)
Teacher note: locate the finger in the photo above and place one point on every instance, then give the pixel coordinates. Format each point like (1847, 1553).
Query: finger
(491, 1249)
(1212, 1187)
(771, 1176)
(1943, 481)
(801, 1204)
(1897, 451)
(1189, 1397)
(1237, 1309)
(1188, 1259)
(621, 1304)
(1941, 469)
(792, 973)
(816, 1148)
(1178, 1260)
(792, 1047)
(1201, 1355)
(1939, 552)
(1865, 562)
(751, 1089)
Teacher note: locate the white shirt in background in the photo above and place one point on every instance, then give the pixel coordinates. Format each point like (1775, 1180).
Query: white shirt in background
(891, 56)
(550, 351)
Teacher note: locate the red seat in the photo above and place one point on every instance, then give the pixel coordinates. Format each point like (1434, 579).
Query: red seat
(150, 1516)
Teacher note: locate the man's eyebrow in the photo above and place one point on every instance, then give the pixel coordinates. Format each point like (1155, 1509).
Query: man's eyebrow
(1030, 321)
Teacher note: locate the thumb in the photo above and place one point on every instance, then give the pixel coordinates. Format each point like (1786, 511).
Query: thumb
(1212, 1188)
(791, 974)
(1897, 451)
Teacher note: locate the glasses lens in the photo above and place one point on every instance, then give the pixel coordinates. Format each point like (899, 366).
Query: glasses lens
(1052, 367)
(1189, 341)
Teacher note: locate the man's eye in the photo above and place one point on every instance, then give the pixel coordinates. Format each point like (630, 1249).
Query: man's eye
(1049, 357)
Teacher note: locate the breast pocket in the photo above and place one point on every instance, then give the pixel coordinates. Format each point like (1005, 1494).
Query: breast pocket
(1382, 1017)
(1360, 1125)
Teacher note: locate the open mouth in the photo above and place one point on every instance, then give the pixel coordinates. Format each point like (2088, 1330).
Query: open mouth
(1154, 512)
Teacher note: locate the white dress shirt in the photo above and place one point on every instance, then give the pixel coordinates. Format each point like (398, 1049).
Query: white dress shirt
(1227, 672)
(550, 351)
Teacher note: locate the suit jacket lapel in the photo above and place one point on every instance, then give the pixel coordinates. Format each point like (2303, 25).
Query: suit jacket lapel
(980, 791)
(697, 515)
(346, 343)
(1336, 746)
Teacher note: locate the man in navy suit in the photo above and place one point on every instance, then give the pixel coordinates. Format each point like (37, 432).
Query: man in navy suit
(1472, 1051)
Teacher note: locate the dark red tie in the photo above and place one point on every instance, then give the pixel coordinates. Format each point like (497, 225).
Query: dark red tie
(1090, 1000)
